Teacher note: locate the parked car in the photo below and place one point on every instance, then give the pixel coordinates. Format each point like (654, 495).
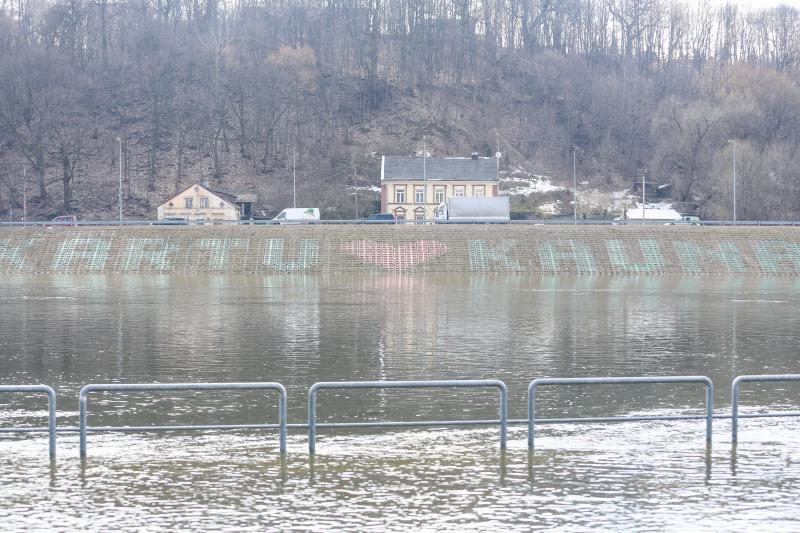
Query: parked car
(170, 221)
(685, 220)
(381, 218)
(63, 220)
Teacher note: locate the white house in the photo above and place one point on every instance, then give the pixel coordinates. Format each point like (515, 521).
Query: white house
(198, 202)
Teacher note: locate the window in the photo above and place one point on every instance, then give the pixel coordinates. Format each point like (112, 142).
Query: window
(438, 194)
(400, 214)
(204, 201)
(187, 203)
(458, 190)
(419, 194)
(400, 194)
(419, 214)
(478, 191)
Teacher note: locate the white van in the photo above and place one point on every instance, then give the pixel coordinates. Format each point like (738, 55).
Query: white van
(298, 214)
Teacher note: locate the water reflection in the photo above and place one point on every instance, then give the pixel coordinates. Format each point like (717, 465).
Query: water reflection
(68, 331)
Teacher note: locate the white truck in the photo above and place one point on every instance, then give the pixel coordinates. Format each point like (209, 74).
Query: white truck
(297, 215)
(473, 209)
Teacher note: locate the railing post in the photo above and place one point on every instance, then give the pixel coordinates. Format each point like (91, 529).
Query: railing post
(51, 412)
(531, 411)
(503, 415)
(735, 408)
(51, 420)
(312, 418)
(709, 409)
(282, 401)
(82, 407)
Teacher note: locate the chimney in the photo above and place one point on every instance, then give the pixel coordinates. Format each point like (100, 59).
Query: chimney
(474, 156)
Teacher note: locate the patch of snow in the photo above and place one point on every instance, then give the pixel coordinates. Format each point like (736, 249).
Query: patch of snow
(516, 181)
(596, 200)
(529, 183)
(368, 188)
(550, 208)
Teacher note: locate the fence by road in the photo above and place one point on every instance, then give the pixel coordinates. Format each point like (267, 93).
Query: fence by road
(365, 222)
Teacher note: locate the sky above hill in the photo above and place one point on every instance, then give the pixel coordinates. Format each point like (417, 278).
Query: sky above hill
(756, 4)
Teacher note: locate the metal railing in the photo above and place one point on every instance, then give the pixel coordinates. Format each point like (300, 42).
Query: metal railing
(84, 394)
(735, 386)
(461, 383)
(617, 381)
(51, 413)
(83, 429)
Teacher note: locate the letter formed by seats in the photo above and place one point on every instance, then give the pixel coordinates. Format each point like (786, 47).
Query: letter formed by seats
(79, 254)
(553, 253)
(305, 258)
(774, 254)
(692, 256)
(147, 253)
(485, 259)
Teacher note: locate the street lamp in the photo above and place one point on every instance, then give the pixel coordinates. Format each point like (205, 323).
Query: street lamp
(355, 190)
(294, 178)
(734, 180)
(643, 175)
(574, 187)
(24, 194)
(120, 180)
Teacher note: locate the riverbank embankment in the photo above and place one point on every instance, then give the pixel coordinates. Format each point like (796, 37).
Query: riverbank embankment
(407, 248)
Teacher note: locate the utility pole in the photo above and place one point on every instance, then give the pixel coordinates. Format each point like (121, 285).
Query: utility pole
(424, 173)
(24, 194)
(733, 142)
(643, 175)
(294, 178)
(498, 155)
(120, 180)
(355, 190)
(734, 183)
(574, 189)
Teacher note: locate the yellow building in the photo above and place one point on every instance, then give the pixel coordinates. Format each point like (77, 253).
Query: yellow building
(412, 187)
(198, 202)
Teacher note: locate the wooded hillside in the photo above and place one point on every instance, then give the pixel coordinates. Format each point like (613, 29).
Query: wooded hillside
(226, 92)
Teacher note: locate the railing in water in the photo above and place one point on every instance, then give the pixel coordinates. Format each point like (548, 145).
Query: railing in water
(83, 429)
(618, 381)
(461, 383)
(735, 396)
(51, 413)
(116, 387)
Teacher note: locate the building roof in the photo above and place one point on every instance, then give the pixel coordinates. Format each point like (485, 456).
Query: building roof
(229, 198)
(247, 197)
(439, 168)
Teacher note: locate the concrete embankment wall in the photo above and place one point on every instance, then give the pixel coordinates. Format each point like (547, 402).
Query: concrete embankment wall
(406, 248)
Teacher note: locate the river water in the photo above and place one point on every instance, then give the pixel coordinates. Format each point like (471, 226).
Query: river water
(69, 331)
